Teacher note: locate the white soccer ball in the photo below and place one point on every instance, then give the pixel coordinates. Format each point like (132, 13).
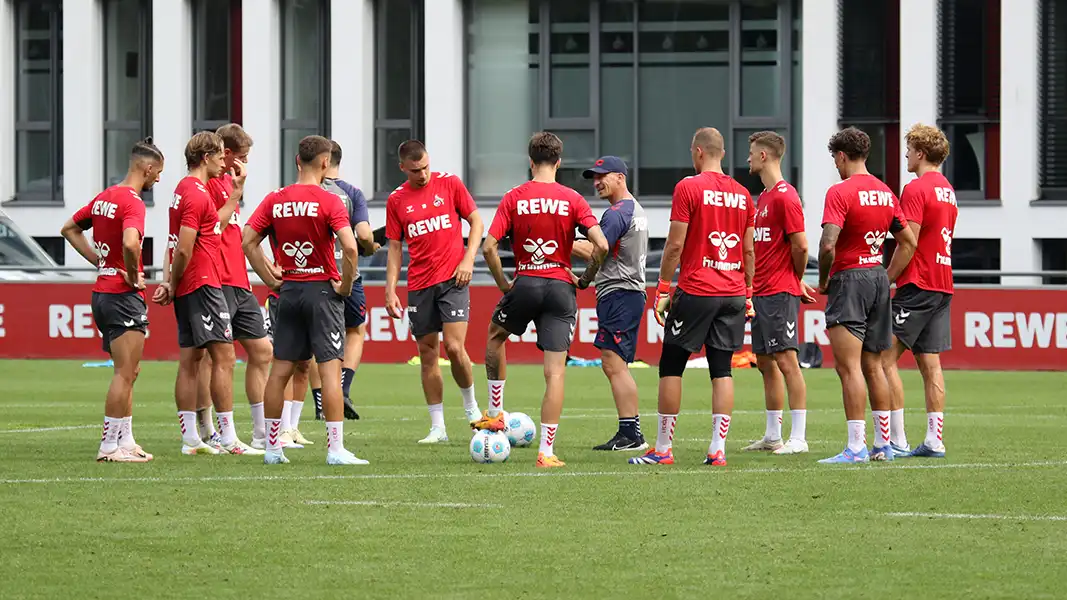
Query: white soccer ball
(520, 429)
(490, 447)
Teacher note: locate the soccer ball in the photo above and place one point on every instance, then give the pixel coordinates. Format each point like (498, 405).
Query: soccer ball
(490, 447)
(520, 429)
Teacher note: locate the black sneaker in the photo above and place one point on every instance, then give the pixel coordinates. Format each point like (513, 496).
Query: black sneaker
(350, 411)
(318, 410)
(620, 442)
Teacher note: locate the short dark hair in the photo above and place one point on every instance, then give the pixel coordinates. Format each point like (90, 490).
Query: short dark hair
(201, 145)
(854, 143)
(709, 140)
(545, 148)
(146, 150)
(411, 150)
(335, 154)
(312, 147)
(772, 141)
(234, 137)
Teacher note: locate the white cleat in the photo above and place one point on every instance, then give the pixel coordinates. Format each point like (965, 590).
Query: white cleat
(764, 445)
(474, 415)
(275, 457)
(287, 441)
(200, 448)
(259, 443)
(344, 457)
(793, 447)
(239, 447)
(299, 438)
(437, 435)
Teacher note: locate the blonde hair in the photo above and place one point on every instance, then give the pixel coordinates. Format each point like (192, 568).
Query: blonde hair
(929, 140)
(773, 142)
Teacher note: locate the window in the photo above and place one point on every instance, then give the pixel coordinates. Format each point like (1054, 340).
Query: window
(869, 73)
(305, 77)
(216, 63)
(976, 255)
(1053, 98)
(399, 75)
(56, 247)
(39, 102)
(1053, 258)
(970, 95)
(127, 83)
(619, 77)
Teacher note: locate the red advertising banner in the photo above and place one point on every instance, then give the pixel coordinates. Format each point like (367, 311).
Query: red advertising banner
(992, 328)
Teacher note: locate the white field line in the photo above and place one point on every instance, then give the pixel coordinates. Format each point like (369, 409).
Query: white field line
(398, 504)
(47, 429)
(928, 515)
(630, 472)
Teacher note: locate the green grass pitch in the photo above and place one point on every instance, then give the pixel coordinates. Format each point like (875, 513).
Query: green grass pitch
(426, 522)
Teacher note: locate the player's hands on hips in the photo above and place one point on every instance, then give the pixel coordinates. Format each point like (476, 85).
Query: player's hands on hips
(162, 295)
(464, 272)
(663, 301)
(337, 287)
(276, 272)
(807, 293)
(137, 285)
(392, 305)
(508, 284)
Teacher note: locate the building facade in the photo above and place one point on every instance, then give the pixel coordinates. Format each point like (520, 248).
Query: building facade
(474, 78)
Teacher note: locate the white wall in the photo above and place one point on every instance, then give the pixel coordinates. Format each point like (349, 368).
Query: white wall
(818, 51)
(7, 101)
(352, 89)
(261, 107)
(443, 85)
(919, 74)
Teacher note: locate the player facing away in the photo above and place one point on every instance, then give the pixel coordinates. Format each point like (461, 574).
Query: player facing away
(620, 293)
(425, 212)
(296, 388)
(304, 218)
(920, 307)
(540, 216)
(116, 217)
(710, 236)
(858, 213)
(777, 290)
(191, 280)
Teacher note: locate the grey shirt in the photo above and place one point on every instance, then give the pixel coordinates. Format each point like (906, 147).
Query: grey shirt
(625, 226)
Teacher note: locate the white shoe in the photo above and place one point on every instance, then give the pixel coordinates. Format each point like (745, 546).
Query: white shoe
(299, 438)
(200, 448)
(437, 435)
(474, 415)
(344, 457)
(275, 457)
(239, 447)
(764, 445)
(287, 441)
(259, 443)
(793, 447)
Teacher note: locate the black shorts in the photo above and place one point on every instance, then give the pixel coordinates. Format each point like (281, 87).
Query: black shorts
(115, 314)
(245, 315)
(552, 306)
(311, 322)
(203, 318)
(774, 329)
(429, 308)
(271, 304)
(618, 316)
(356, 305)
(921, 320)
(695, 322)
(858, 299)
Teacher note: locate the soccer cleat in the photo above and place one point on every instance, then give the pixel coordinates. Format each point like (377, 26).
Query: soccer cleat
(350, 411)
(275, 457)
(549, 462)
(287, 441)
(200, 448)
(120, 454)
(900, 451)
(621, 443)
(259, 443)
(239, 447)
(716, 460)
(793, 447)
(437, 435)
(764, 445)
(881, 454)
(653, 458)
(344, 457)
(215, 441)
(299, 438)
(848, 456)
(924, 451)
(137, 450)
(473, 416)
(490, 423)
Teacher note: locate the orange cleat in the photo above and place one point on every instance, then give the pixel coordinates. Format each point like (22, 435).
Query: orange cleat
(489, 423)
(716, 460)
(548, 462)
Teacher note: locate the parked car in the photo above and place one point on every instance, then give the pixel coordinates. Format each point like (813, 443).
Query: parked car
(20, 250)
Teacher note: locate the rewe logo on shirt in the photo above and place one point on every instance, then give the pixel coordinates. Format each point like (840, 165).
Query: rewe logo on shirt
(104, 209)
(725, 199)
(762, 234)
(295, 209)
(544, 206)
(424, 226)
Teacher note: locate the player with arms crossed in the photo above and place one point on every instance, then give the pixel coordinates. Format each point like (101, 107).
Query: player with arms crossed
(540, 216)
(116, 217)
(777, 290)
(921, 313)
(859, 212)
(620, 293)
(711, 233)
(304, 218)
(425, 212)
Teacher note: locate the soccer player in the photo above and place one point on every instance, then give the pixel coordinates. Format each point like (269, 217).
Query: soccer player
(541, 217)
(116, 217)
(423, 212)
(859, 211)
(620, 293)
(304, 218)
(778, 289)
(296, 388)
(191, 280)
(711, 232)
(924, 290)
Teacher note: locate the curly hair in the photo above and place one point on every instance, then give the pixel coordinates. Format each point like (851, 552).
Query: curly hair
(929, 140)
(854, 143)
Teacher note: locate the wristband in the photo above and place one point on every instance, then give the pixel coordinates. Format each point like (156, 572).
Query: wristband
(664, 287)
(748, 292)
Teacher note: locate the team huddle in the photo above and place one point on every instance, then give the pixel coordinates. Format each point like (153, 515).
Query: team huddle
(739, 260)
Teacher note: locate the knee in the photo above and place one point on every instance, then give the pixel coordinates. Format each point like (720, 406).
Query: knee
(787, 363)
(929, 368)
(846, 369)
(766, 365)
(720, 363)
(454, 349)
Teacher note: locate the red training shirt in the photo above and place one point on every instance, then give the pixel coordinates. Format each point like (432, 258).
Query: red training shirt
(779, 214)
(867, 211)
(718, 210)
(428, 219)
(192, 207)
(109, 215)
(303, 219)
(232, 269)
(541, 219)
(930, 202)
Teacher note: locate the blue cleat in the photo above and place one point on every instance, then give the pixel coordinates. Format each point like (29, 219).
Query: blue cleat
(882, 454)
(848, 456)
(924, 451)
(653, 458)
(900, 451)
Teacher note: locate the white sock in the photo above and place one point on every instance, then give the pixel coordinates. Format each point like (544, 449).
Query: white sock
(258, 427)
(335, 436)
(665, 437)
(126, 433)
(857, 435)
(287, 410)
(274, 431)
(437, 415)
(469, 401)
(205, 425)
(548, 438)
(720, 427)
(496, 397)
(294, 414)
(935, 421)
(109, 438)
(799, 420)
(881, 428)
(896, 428)
(187, 421)
(774, 425)
(226, 428)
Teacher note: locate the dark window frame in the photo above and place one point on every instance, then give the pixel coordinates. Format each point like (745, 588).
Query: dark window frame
(415, 122)
(1052, 129)
(322, 123)
(201, 13)
(144, 68)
